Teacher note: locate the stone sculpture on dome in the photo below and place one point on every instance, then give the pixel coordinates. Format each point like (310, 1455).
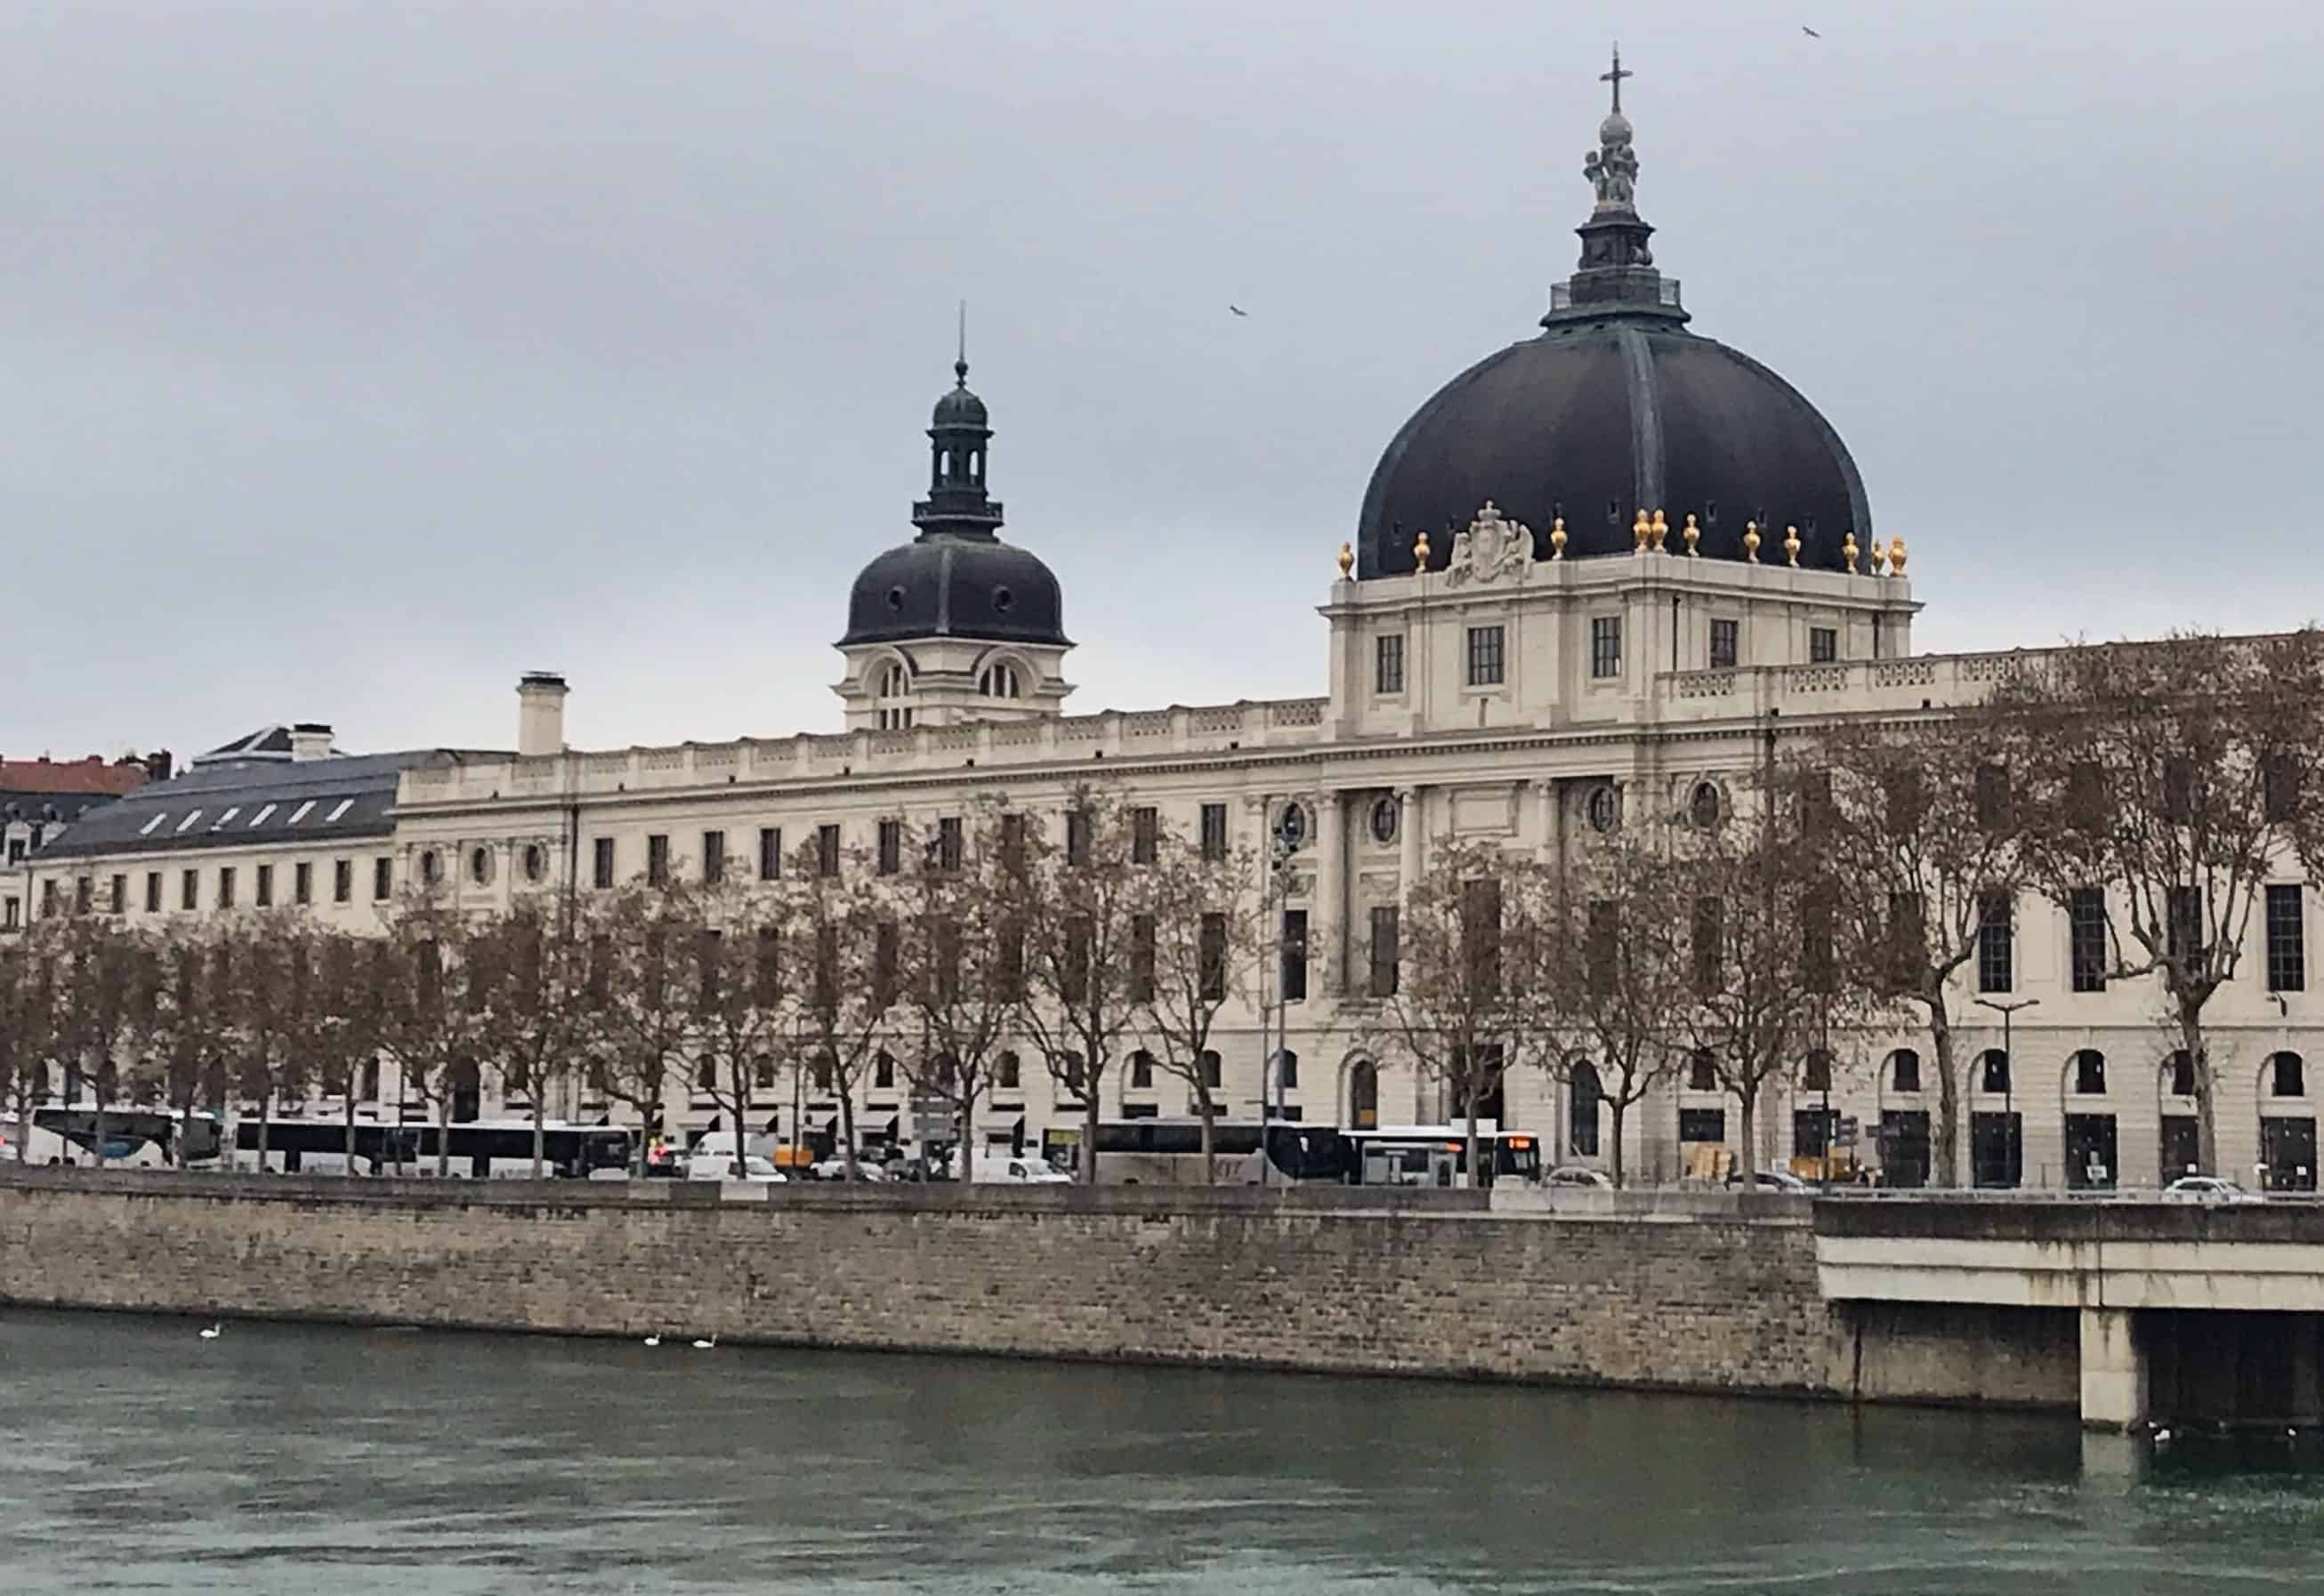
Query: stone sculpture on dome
(1493, 546)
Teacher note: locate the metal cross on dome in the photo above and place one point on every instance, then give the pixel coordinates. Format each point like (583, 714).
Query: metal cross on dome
(1615, 76)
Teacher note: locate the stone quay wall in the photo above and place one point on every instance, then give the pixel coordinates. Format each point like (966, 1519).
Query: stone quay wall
(1720, 1296)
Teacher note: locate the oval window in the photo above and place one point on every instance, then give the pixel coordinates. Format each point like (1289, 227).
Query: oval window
(480, 866)
(1605, 808)
(536, 862)
(1384, 818)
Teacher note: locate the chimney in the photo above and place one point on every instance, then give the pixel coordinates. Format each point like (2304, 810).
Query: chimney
(159, 765)
(309, 741)
(540, 713)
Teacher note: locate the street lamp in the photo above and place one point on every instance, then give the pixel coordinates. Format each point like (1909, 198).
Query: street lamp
(1284, 839)
(2008, 1087)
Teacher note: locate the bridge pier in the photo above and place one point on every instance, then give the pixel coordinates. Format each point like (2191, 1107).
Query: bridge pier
(2114, 1370)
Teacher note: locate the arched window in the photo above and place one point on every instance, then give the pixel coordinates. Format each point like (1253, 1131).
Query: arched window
(895, 684)
(705, 1074)
(891, 681)
(1287, 1070)
(2287, 1076)
(1702, 1073)
(1364, 1095)
(1905, 1070)
(1993, 1068)
(2182, 1065)
(1583, 1110)
(1817, 1077)
(2090, 1072)
(999, 681)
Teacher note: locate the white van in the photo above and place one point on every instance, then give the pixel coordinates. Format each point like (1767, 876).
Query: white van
(713, 1158)
(1020, 1168)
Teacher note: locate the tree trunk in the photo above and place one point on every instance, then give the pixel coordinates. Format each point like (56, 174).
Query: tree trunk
(847, 1131)
(963, 1153)
(1089, 1128)
(1469, 1110)
(1621, 1107)
(2207, 1118)
(742, 1115)
(1747, 1161)
(351, 1125)
(1948, 1140)
(265, 1122)
(444, 1137)
(97, 1096)
(1209, 1112)
(540, 1135)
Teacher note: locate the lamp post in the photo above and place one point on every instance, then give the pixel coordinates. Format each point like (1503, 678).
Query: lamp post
(1284, 839)
(2008, 1089)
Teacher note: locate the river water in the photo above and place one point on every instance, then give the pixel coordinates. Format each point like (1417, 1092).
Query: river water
(136, 1455)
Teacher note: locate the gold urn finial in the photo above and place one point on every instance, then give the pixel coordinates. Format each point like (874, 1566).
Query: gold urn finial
(1640, 531)
(1896, 556)
(1657, 531)
(1347, 559)
(1848, 551)
(1791, 545)
(1692, 534)
(1751, 541)
(1557, 537)
(1420, 552)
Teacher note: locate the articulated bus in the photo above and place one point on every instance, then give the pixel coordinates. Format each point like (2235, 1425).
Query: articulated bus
(476, 1149)
(1169, 1152)
(135, 1138)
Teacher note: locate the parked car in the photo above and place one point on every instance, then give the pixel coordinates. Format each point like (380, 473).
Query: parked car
(717, 1166)
(1019, 1169)
(2207, 1189)
(1577, 1175)
(835, 1169)
(1781, 1180)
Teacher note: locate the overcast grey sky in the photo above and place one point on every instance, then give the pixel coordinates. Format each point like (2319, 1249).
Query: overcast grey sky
(362, 357)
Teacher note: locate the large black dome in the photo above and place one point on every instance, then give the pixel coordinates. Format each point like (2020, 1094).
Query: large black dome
(1616, 409)
(1598, 420)
(948, 587)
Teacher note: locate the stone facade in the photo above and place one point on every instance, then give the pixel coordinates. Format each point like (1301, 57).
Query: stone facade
(1341, 1281)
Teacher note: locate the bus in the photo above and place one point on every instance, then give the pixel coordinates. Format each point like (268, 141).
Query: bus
(1168, 1152)
(475, 1149)
(135, 1138)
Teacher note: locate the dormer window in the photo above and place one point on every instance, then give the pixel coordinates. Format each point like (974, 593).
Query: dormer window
(999, 681)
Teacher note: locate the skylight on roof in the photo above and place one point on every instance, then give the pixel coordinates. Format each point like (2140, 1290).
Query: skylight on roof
(187, 824)
(338, 809)
(300, 813)
(152, 825)
(259, 819)
(219, 823)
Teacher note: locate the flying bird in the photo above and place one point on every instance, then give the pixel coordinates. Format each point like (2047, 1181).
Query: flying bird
(1238, 310)
(1811, 32)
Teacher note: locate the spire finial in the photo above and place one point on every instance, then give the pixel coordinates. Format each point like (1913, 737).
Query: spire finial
(960, 362)
(1615, 76)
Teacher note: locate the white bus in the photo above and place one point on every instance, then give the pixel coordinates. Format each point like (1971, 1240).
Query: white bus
(477, 1149)
(134, 1139)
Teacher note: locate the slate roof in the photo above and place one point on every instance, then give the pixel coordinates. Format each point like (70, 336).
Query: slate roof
(238, 805)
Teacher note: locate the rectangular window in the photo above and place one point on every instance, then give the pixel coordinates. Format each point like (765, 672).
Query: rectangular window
(1604, 646)
(119, 894)
(2280, 785)
(342, 881)
(382, 879)
(2086, 939)
(2287, 941)
(949, 847)
(1703, 1124)
(1214, 831)
(713, 856)
(1824, 645)
(1818, 966)
(1385, 933)
(152, 892)
(1708, 944)
(265, 895)
(84, 892)
(226, 886)
(1211, 954)
(1488, 647)
(1213, 1072)
(1601, 941)
(1077, 837)
(48, 898)
(891, 846)
(657, 860)
(1144, 836)
(302, 882)
(1993, 798)
(190, 889)
(1997, 943)
(1141, 959)
(826, 849)
(1726, 644)
(1295, 956)
(771, 853)
(1388, 664)
(2183, 937)
(601, 862)
(11, 915)
(1009, 1076)
(1141, 1070)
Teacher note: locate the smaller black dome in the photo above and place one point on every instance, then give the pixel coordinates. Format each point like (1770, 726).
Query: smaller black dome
(952, 586)
(960, 408)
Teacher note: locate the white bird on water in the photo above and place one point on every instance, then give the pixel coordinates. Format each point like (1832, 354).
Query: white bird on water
(654, 1340)
(701, 1345)
(212, 1332)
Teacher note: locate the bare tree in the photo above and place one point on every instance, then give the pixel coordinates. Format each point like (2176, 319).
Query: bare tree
(1078, 904)
(527, 985)
(265, 966)
(1924, 856)
(94, 972)
(635, 997)
(963, 969)
(1612, 977)
(1470, 932)
(1759, 939)
(28, 1042)
(2163, 780)
(853, 947)
(1196, 940)
(428, 1027)
(735, 1002)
